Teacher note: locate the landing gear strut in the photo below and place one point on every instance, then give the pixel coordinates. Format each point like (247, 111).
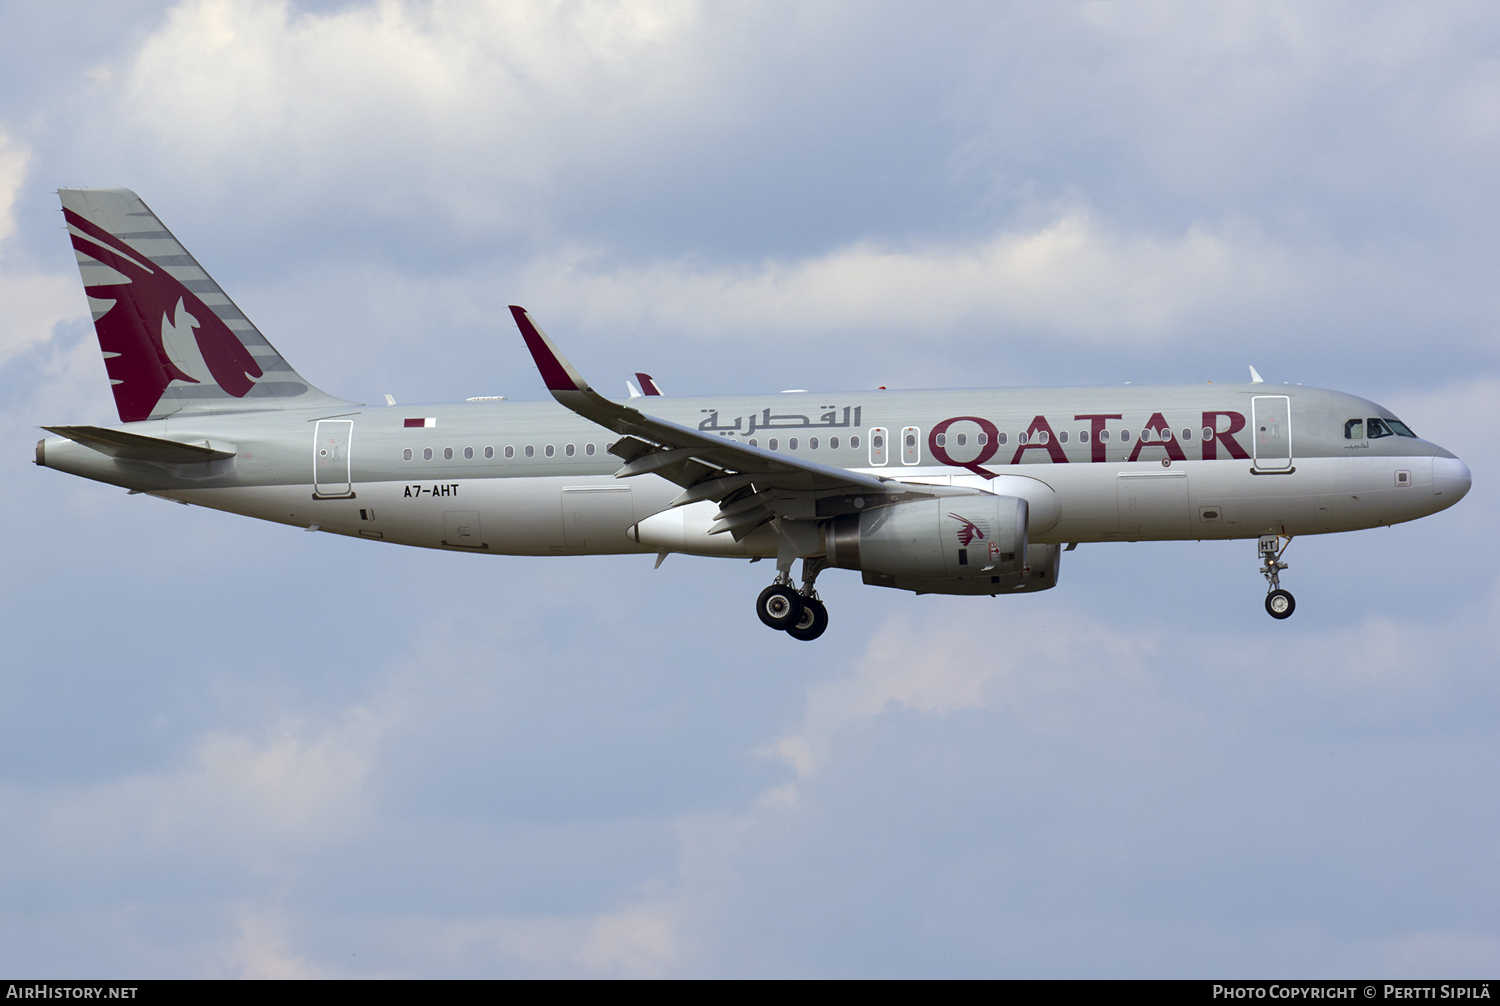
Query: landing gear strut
(1279, 603)
(800, 613)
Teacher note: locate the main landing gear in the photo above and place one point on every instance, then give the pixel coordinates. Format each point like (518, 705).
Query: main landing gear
(1279, 603)
(799, 613)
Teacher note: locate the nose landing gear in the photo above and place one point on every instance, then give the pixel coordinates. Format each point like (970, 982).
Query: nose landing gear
(799, 613)
(1279, 603)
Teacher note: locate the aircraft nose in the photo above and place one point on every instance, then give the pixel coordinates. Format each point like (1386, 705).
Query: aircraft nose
(1450, 479)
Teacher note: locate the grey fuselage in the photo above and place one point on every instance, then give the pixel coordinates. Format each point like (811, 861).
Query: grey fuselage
(532, 478)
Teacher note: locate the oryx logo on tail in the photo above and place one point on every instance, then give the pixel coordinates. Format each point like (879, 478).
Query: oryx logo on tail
(144, 331)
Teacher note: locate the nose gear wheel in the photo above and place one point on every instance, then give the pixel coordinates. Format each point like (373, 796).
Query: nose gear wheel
(1279, 603)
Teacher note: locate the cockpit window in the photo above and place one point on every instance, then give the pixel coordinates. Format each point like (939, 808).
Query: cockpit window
(1400, 428)
(1354, 429)
(1378, 428)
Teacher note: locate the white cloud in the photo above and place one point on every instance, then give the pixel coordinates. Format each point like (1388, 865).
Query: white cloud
(946, 664)
(34, 303)
(261, 948)
(487, 100)
(1076, 277)
(249, 799)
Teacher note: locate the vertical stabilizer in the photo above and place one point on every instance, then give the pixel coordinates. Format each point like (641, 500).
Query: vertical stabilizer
(173, 341)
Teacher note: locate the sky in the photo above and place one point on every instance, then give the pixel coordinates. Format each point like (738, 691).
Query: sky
(235, 749)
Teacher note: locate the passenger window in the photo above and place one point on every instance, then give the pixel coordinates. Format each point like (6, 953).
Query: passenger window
(1354, 429)
(588, 449)
(791, 443)
(447, 454)
(1187, 433)
(1083, 436)
(1377, 428)
(468, 454)
(963, 438)
(812, 443)
(1208, 433)
(427, 454)
(853, 443)
(1001, 438)
(406, 454)
(568, 450)
(1062, 437)
(754, 442)
(530, 451)
(510, 452)
(773, 443)
(1166, 435)
(489, 452)
(551, 450)
(833, 443)
(1125, 436)
(941, 439)
(984, 438)
(1021, 439)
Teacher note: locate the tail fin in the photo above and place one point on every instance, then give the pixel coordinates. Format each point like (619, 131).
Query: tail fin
(173, 341)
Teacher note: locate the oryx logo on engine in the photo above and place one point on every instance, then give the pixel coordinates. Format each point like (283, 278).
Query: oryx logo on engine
(970, 530)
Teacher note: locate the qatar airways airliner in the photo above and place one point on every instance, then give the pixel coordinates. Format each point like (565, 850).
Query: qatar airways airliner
(937, 492)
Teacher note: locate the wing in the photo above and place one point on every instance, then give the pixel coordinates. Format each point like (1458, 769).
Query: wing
(751, 484)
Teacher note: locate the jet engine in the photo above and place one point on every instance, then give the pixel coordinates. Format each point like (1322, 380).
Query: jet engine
(1039, 573)
(948, 537)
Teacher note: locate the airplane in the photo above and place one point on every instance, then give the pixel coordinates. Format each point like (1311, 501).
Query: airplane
(964, 492)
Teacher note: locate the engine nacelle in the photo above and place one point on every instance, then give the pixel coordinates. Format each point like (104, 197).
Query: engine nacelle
(951, 536)
(1039, 573)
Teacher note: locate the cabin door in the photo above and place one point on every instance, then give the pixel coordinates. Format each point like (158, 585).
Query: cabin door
(1271, 432)
(331, 438)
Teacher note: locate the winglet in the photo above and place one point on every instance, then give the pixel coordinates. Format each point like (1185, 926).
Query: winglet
(557, 373)
(1255, 377)
(648, 386)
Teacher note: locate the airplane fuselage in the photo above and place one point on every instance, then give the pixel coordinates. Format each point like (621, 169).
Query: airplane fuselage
(531, 478)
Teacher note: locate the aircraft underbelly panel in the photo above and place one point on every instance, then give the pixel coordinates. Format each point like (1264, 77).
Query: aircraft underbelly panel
(1152, 504)
(595, 518)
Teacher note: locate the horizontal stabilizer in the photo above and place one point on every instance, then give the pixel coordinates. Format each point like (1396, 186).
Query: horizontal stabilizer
(134, 447)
